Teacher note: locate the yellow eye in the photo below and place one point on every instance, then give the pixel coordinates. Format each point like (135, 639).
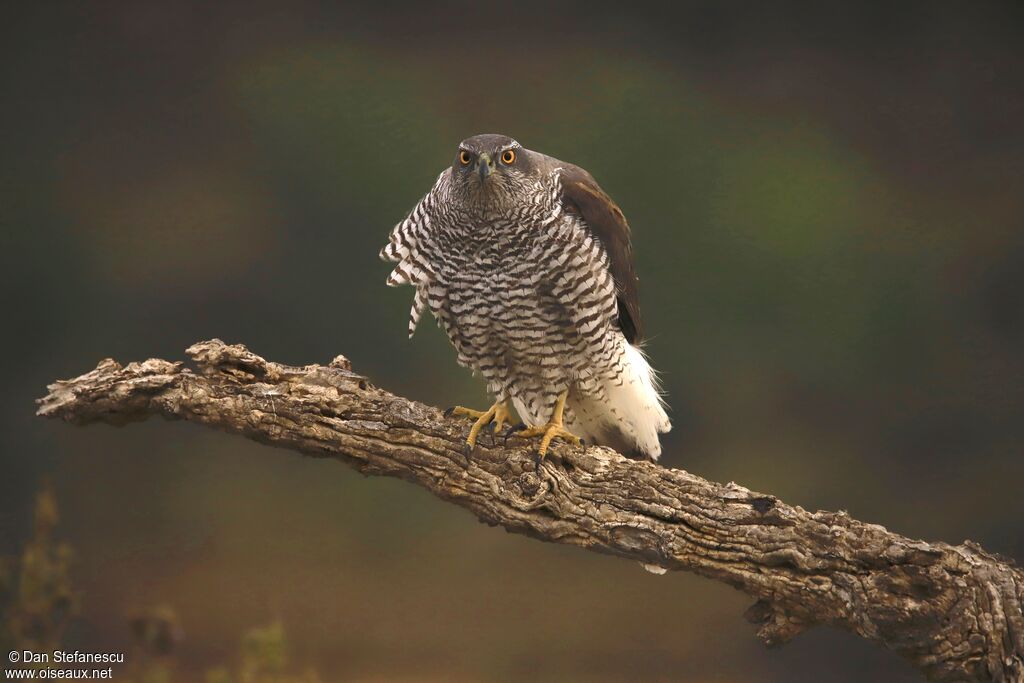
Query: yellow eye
(464, 158)
(508, 156)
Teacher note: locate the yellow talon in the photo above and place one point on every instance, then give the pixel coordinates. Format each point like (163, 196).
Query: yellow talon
(459, 411)
(552, 430)
(499, 414)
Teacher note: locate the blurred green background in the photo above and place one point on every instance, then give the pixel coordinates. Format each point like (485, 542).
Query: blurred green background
(828, 220)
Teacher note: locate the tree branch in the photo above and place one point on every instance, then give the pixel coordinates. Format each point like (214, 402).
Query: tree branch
(954, 611)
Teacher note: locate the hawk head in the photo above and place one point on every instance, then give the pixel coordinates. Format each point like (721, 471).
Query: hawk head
(492, 168)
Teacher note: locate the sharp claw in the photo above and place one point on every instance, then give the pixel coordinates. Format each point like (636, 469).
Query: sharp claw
(449, 411)
(467, 448)
(511, 431)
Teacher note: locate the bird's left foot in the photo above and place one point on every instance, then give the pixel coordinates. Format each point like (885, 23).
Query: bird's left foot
(548, 433)
(499, 414)
(554, 429)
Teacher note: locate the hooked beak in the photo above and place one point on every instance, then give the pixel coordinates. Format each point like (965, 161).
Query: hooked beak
(484, 166)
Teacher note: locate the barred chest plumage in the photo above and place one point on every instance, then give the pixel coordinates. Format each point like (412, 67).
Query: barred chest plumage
(508, 288)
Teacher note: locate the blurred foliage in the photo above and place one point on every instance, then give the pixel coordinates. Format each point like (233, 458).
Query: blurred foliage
(37, 604)
(156, 631)
(156, 637)
(264, 659)
(262, 654)
(37, 601)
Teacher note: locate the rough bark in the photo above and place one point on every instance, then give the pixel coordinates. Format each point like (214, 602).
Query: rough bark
(954, 611)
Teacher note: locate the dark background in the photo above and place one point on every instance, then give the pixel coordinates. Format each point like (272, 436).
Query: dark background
(827, 209)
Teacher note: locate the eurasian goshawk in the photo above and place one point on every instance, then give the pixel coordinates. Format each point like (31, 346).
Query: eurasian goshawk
(527, 265)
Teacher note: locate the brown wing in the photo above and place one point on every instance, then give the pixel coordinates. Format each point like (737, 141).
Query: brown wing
(583, 196)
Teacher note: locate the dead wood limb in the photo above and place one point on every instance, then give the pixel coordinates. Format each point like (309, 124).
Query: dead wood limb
(954, 611)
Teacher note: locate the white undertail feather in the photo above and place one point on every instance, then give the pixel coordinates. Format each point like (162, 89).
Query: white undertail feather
(632, 413)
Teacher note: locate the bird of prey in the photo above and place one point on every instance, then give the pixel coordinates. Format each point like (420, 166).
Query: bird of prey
(527, 266)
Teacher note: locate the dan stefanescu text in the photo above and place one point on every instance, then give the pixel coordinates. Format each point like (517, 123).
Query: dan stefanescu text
(76, 657)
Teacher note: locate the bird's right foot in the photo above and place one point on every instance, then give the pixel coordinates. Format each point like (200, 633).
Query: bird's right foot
(499, 414)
